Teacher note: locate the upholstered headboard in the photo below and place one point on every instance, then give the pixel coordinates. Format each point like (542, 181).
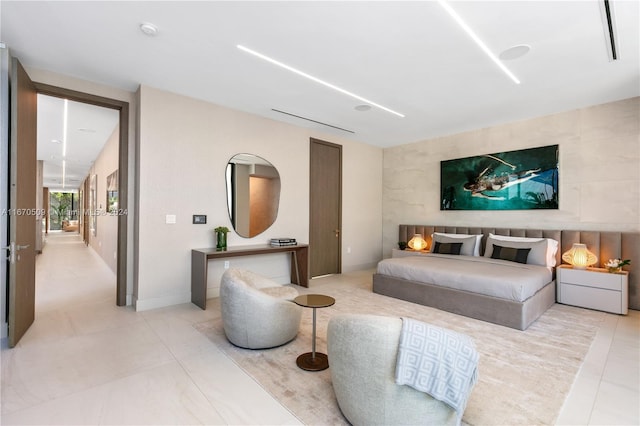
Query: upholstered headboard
(604, 244)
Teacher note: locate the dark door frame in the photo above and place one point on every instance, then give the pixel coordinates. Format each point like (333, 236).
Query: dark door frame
(123, 171)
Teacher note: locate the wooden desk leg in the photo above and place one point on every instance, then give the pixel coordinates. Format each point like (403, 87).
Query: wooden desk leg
(199, 266)
(303, 266)
(295, 271)
(302, 263)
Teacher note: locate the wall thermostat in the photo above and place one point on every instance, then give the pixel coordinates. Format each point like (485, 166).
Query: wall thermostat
(199, 219)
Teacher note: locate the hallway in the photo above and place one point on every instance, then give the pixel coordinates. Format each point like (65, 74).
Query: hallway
(87, 361)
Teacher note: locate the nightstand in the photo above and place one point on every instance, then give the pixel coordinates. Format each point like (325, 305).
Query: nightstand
(593, 288)
(407, 252)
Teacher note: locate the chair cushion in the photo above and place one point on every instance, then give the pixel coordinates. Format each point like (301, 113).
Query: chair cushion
(281, 292)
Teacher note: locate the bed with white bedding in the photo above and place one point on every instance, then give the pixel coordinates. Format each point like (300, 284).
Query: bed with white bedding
(472, 283)
(516, 305)
(481, 275)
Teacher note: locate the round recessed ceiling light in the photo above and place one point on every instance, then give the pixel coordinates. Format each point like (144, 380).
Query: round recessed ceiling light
(148, 29)
(56, 141)
(362, 108)
(515, 52)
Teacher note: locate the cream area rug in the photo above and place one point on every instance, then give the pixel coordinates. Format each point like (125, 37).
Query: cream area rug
(524, 376)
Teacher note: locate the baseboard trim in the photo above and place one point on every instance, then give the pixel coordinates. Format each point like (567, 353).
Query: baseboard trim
(161, 302)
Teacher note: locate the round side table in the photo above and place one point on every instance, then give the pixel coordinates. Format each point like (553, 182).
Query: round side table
(313, 361)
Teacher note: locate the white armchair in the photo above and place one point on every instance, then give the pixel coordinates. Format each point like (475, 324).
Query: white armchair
(257, 312)
(362, 352)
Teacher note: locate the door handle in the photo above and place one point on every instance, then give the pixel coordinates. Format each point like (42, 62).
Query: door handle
(337, 231)
(14, 246)
(12, 252)
(13, 249)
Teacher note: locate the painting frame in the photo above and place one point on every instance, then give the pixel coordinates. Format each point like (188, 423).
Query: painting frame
(525, 179)
(112, 193)
(93, 205)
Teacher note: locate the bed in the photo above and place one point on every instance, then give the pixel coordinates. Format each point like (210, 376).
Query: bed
(506, 298)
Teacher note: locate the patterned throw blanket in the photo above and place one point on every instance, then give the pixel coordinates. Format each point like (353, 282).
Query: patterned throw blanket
(437, 361)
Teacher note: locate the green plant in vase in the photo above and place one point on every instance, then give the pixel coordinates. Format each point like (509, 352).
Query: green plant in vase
(221, 237)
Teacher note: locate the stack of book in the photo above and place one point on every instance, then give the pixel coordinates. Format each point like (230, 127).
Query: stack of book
(279, 242)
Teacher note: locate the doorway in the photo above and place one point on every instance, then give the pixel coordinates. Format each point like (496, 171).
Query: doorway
(122, 175)
(19, 304)
(325, 208)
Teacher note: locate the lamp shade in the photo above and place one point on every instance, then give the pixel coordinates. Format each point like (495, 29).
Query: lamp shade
(417, 242)
(579, 256)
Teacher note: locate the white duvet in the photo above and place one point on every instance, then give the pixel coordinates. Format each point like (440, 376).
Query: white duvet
(491, 277)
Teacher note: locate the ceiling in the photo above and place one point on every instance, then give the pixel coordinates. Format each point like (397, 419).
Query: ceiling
(411, 57)
(88, 127)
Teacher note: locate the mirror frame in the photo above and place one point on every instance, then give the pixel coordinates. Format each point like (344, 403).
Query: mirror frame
(253, 188)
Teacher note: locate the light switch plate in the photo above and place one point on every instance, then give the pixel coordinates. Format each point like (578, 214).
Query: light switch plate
(170, 218)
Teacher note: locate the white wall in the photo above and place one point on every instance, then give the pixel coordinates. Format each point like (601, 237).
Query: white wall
(599, 173)
(184, 146)
(105, 242)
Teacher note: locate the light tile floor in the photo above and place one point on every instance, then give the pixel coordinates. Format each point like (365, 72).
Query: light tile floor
(86, 361)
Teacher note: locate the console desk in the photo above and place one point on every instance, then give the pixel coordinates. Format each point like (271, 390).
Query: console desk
(200, 264)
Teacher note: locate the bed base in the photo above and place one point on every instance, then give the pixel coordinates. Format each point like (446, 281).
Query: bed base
(509, 313)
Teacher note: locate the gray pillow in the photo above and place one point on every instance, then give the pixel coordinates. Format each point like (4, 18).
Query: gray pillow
(468, 242)
(537, 255)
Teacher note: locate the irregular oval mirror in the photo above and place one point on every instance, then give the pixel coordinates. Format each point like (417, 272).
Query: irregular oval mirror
(253, 194)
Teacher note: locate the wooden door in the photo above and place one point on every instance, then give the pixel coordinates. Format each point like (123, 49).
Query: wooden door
(325, 208)
(22, 203)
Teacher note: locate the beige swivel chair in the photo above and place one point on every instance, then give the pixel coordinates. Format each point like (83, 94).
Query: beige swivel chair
(257, 312)
(362, 353)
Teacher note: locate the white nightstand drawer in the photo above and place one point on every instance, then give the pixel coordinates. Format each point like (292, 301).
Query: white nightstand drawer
(592, 298)
(592, 278)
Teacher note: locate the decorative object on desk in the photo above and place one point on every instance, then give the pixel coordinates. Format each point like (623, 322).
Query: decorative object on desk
(221, 237)
(615, 265)
(579, 256)
(402, 245)
(280, 242)
(417, 242)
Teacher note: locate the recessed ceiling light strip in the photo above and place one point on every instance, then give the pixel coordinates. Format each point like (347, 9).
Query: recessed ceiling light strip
(317, 80)
(477, 40)
(308, 119)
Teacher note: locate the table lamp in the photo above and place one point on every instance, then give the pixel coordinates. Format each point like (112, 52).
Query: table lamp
(579, 256)
(417, 242)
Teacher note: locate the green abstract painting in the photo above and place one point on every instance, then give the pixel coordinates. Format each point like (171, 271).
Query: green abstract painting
(513, 180)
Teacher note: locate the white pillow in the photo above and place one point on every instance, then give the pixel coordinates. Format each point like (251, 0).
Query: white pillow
(470, 243)
(543, 250)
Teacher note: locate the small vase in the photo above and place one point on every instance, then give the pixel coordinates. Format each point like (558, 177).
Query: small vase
(614, 269)
(221, 241)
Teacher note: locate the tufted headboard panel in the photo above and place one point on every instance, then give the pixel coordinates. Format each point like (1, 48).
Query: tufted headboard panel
(604, 244)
